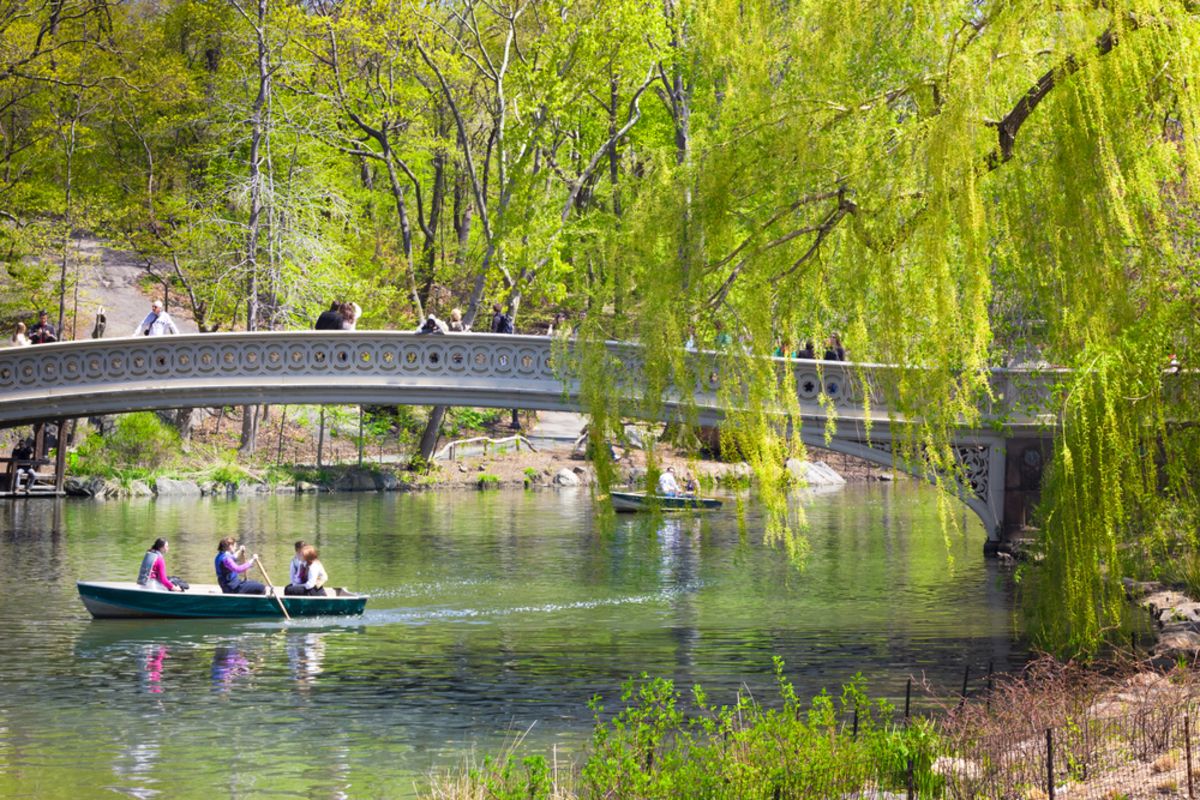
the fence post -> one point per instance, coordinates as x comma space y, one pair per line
1050, 763
1187, 747
907, 696
911, 787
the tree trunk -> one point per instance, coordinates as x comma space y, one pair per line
432, 433
258, 132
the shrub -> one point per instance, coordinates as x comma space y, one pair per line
139, 441
531, 476
489, 481
471, 419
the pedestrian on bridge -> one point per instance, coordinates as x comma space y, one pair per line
43, 332
157, 323
19, 339
330, 320
503, 323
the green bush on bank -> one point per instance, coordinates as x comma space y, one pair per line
138, 445
653, 749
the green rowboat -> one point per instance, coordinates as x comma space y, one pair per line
125, 599
636, 501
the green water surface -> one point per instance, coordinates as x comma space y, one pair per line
492, 615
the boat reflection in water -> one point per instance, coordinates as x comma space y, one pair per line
306, 658
151, 667
229, 665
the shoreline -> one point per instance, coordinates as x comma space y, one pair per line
509, 470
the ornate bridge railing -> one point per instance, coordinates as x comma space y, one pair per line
85, 378
116, 375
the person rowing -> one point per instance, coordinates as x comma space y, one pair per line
229, 571
153, 573
667, 485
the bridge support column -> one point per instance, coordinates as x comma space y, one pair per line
1024, 461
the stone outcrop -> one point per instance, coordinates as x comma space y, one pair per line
169, 487
566, 477
85, 487
1176, 616
814, 473
356, 480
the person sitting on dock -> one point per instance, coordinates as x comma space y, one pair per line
229, 572
667, 485
22, 461
314, 575
153, 573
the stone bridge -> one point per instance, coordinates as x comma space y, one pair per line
1002, 458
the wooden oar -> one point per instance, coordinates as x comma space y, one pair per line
271, 588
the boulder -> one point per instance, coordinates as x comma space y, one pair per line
356, 480
140, 489
1181, 643
304, 487
386, 482
636, 476
1160, 603
566, 477
1135, 589
169, 487
1183, 612
285, 490
740, 471
84, 487
814, 473
634, 437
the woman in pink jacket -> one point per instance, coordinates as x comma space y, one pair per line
153, 572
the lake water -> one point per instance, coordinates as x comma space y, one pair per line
491, 615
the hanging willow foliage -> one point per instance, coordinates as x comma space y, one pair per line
949, 186
952, 187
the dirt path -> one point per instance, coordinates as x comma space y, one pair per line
112, 280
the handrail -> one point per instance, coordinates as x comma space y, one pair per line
452, 447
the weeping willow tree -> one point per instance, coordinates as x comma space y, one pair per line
951, 186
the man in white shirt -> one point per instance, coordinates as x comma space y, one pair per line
157, 322
667, 485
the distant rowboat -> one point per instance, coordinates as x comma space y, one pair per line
637, 501
125, 599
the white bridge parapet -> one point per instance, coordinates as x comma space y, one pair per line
105, 376
89, 377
